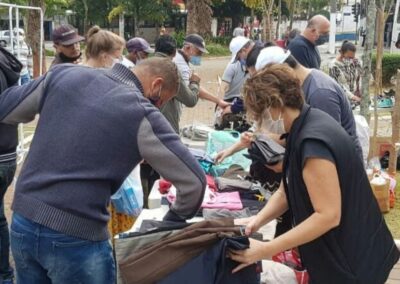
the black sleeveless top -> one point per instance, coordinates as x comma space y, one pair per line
361, 249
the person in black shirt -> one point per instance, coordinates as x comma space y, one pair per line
304, 46
338, 227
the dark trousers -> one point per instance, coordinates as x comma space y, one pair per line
148, 176
7, 171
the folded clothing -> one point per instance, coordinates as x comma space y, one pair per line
209, 213
227, 200
164, 185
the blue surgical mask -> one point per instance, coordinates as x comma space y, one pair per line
322, 39
195, 60
242, 61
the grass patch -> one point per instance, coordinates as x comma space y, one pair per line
49, 52
393, 217
216, 49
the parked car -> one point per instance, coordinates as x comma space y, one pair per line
5, 37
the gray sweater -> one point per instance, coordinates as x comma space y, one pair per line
94, 128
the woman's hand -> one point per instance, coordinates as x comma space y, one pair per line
256, 252
221, 156
246, 138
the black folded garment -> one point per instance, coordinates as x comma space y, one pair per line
266, 151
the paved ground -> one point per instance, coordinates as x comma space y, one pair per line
203, 114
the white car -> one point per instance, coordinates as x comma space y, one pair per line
5, 37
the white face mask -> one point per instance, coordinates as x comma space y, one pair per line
273, 126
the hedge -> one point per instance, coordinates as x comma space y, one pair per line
390, 64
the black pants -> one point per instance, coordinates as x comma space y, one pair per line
148, 176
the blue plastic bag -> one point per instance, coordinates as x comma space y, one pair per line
129, 197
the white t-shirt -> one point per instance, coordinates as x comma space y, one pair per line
183, 67
127, 63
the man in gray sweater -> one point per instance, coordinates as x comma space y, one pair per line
94, 128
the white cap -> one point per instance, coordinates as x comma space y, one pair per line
272, 54
237, 43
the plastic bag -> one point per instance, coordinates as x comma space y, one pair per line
221, 140
292, 259
129, 197
362, 128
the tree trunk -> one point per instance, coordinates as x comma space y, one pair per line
292, 12
33, 37
309, 10
367, 54
278, 36
378, 73
395, 129
199, 17
86, 18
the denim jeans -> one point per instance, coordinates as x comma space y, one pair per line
7, 171
45, 256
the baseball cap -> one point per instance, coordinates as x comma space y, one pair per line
139, 44
272, 54
237, 43
197, 41
66, 35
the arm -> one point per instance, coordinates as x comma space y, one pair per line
205, 95
164, 151
188, 94
321, 179
20, 104
322, 182
227, 77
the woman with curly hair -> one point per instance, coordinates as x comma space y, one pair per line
337, 225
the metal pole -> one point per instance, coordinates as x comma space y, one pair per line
17, 27
41, 42
355, 2
332, 33
11, 29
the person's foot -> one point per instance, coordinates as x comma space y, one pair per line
8, 281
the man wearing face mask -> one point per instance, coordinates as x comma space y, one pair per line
95, 126
138, 50
192, 51
67, 44
304, 46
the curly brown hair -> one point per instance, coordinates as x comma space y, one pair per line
274, 86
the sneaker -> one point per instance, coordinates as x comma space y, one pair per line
8, 281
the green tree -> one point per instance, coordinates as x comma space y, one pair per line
142, 10
267, 7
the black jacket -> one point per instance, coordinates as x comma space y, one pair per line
10, 68
361, 249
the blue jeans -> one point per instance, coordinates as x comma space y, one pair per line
46, 256
7, 171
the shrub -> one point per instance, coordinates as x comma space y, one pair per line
390, 64
217, 50
179, 37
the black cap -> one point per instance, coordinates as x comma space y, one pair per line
66, 35
197, 41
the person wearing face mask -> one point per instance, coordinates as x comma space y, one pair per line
103, 48
191, 53
67, 45
337, 224
138, 50
346, 70
304, 47
235, 72
320, 91
95, 127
